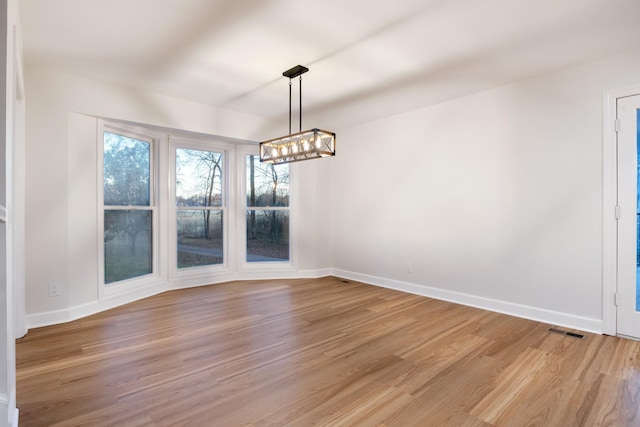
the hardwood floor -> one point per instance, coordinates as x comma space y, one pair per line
319, 352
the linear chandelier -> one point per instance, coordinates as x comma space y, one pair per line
304, 145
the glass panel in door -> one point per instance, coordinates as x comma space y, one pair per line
628, 286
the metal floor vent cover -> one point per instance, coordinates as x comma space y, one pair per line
567, 333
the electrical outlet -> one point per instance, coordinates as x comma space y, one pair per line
54, 289
408, 267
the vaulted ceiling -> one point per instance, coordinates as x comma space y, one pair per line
367, 58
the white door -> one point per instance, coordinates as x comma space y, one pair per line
628, 292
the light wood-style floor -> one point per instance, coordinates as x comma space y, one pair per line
319, 353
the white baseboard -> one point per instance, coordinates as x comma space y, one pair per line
4, 409
533, 313
571, 321
290, 274
8, 411
54, 317
16, 417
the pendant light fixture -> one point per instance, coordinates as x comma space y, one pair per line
304, 145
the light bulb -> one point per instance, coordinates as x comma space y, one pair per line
305, 145
284, 150
274, 152
318, 142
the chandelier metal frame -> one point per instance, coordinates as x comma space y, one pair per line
303, 145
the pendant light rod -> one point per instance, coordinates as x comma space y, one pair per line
292, 73
289, 106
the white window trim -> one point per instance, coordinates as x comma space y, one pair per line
271, 266
137, 284
229, 195
165, 272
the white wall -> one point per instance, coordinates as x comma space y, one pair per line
492, 199
61, 242
495, 199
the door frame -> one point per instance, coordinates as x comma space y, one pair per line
609, 203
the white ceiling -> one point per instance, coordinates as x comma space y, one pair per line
367, 58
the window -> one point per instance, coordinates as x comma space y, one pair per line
182, 209
199, 201
267, 211
128, 207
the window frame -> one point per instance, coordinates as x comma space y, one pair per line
128, 286
227, 208
266, 266
165, 273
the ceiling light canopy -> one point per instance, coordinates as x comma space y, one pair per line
304, 145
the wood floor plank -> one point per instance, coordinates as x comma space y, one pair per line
323, 352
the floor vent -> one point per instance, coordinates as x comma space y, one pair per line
344, 281
569, 334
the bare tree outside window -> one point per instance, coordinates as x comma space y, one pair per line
267, 211
199, 204
128, 212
